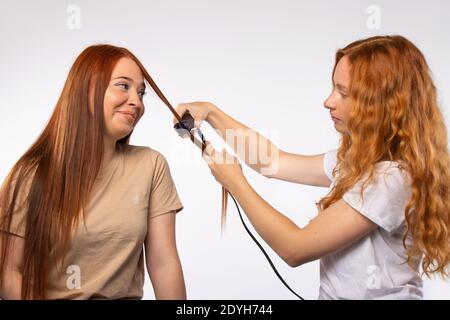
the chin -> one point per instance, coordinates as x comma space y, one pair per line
339, 129
120, 134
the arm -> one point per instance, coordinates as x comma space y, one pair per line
163, 262
302, 169
334, 228
256, 151
11, 287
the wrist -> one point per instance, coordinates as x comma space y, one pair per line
239, 186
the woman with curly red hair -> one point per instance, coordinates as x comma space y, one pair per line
386, 216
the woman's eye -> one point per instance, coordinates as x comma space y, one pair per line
344, 95
123, 85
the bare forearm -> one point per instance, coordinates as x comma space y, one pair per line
168, 281
11, 286
280, 233
255, 150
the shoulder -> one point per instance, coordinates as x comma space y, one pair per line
388, 183
144, 154
384, 198
392, 175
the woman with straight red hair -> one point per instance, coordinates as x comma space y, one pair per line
80, 206
387, 212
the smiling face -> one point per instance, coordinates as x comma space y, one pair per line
339, 100
123, 103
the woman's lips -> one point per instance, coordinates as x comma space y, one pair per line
129, 115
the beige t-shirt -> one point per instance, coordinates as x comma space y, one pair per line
106, 260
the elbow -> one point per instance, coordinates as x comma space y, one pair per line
294, 261
291, 257
157, 265
295, 255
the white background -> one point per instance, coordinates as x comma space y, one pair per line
267, 63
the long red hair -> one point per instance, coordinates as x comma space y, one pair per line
53, 179
395, 116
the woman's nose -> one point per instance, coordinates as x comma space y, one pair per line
328, 103
135, 100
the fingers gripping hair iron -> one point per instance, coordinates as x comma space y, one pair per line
187, 127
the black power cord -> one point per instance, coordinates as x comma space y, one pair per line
264, 251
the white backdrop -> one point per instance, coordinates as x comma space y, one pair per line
267, 63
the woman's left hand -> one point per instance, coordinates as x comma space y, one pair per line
225, 168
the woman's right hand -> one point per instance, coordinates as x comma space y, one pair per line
199, 111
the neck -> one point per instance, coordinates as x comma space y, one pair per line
109, 148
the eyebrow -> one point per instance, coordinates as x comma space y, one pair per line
129, 79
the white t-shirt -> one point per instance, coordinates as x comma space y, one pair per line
373, 267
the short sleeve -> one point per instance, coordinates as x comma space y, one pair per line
329, 162
384, 199
163, 193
